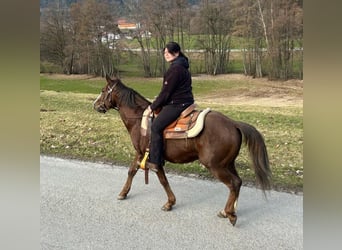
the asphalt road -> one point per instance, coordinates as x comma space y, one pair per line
79, 210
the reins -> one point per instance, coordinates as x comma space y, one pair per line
109, 92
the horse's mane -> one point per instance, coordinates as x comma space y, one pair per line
130, 97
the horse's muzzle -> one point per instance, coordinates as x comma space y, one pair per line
100, 108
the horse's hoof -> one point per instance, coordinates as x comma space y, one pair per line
121, 197
166, 208
232, 217
233, 220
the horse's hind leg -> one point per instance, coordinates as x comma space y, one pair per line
230, 177
165, 183
131, 173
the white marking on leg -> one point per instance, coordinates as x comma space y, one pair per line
235, 205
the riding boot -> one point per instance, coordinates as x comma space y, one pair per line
152, 166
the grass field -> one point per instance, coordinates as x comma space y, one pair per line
70, 128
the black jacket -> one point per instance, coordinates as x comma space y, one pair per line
176, 87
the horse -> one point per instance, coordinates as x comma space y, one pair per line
216, 147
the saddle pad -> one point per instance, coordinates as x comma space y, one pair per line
193, 132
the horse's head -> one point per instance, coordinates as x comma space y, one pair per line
106, 100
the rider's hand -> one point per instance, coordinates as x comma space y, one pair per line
148, 111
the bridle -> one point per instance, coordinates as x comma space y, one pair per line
109, 92
108, 95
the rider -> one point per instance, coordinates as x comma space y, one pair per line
174, 97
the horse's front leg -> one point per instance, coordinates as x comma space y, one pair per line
171, 199
131, 173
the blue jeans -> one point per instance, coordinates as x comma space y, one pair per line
166, 116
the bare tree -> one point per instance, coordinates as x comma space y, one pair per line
162, 20
91, 21
250, 35
181, 20
141, 34
270, 34
216, 25
53, 35
270, 31
278, 19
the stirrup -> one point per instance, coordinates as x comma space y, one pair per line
142, 164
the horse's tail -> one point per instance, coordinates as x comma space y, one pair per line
258, 153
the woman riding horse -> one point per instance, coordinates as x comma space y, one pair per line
174, 97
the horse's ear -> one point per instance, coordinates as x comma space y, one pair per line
108, 78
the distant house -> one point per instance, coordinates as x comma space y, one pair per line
110, 38
126, 28
124, 25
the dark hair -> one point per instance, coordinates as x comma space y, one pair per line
173, 48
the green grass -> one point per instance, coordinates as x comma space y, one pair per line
69, 127
75, 86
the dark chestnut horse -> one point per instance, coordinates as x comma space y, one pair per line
216, 147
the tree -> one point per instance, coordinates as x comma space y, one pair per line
73, 38
250, 35
164, 21
216, 23
141, 34
53, 36
270, 34
270, 29
279, 22
92, 20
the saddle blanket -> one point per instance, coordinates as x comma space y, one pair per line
185, 127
